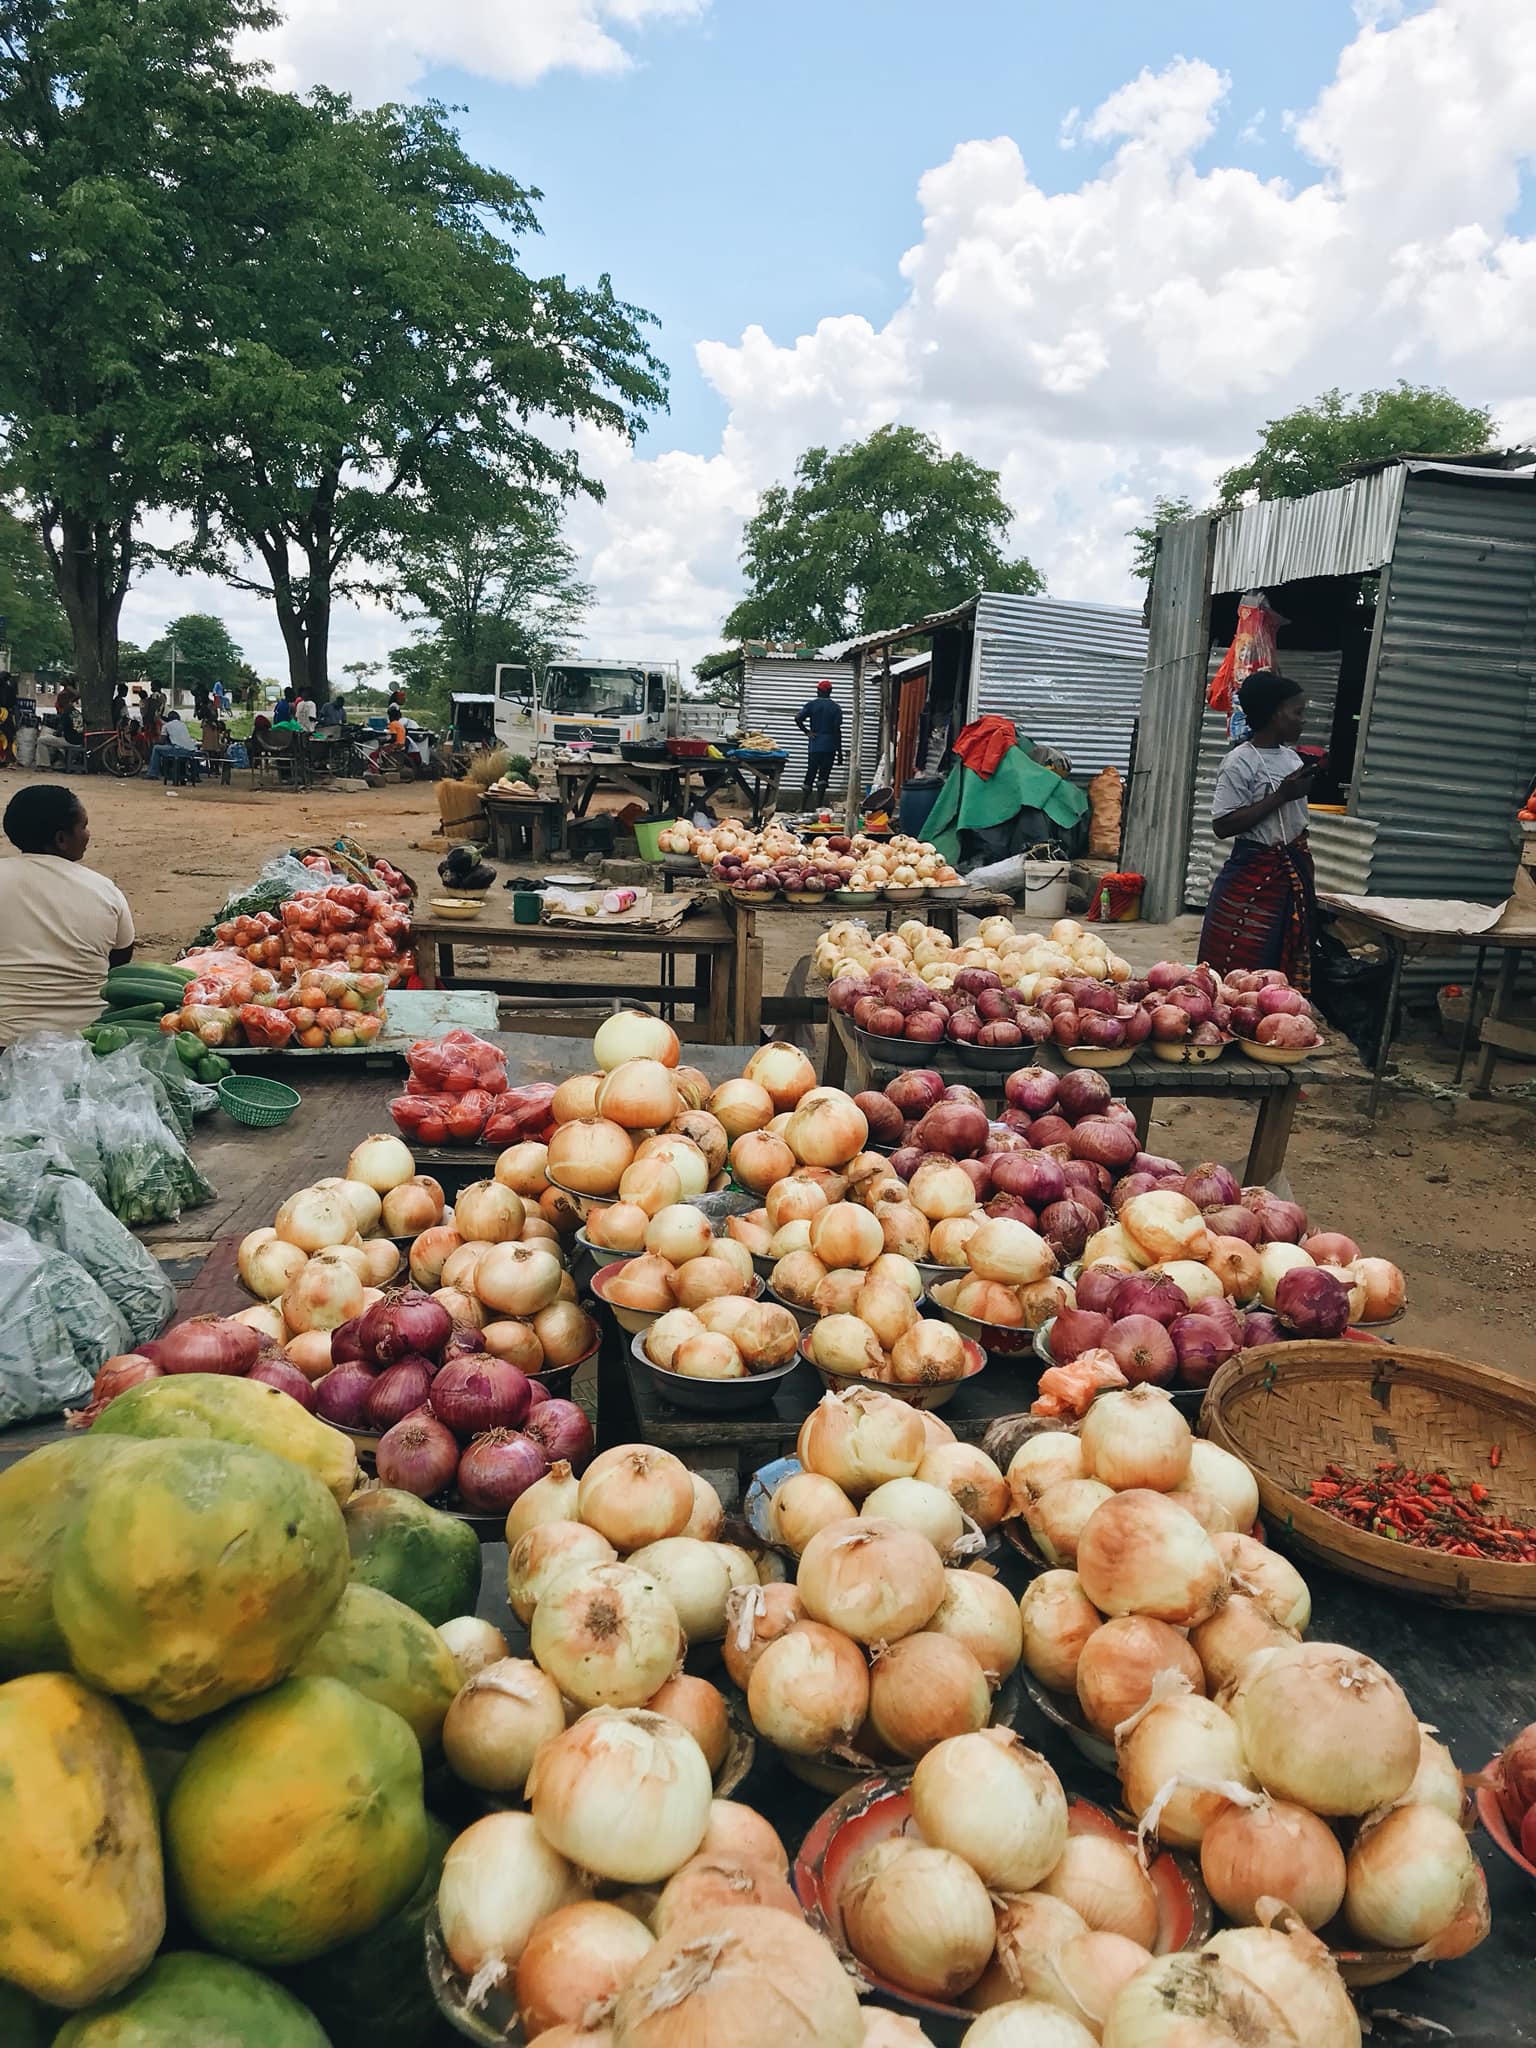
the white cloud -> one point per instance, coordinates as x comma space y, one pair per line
380, 50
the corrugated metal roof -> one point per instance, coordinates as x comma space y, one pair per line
1155, 843
774, 689
1331, 533
840, 650
1068, 675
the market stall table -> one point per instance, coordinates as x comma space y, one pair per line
541, 818
1273, 1091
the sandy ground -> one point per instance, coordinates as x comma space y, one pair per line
1442, 1187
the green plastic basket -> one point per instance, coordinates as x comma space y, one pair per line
252, 1099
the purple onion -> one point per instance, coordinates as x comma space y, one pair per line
1066, 1227
342, 1395
1038, 1180
1082, 1093
397, 1392
1280, 1222
1159, 1167
480, 1393
346, 1342
418, 1455
562, 1430
281, 1372
405, 1320
1313, 1301
1233, 1221
1203, 1346
498, 1467
1032, 1089
1261, 1328
1150, 1294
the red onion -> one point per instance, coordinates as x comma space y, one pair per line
1105, 1142
117, 1375
1096, 1030
1283, 1002
479, 1393
1208, 1033
342, 1394
1313, 1301
882, 1116
1194, 1002
845, 991
868, 1007
1066, 1027
1280, 1222
1169, 1023
1166, 974
1049, 1130
970, 981
906, 1159
1119, 1111
980, 1171
886, 1021
1245, 1019
1142, 1349
1130, 1185
1096, 1288
1014, 1206
1032, 1089
1082, 1093
1138, 1025
464, 1343
925, 1027
405, 1320
397, 1392
1003, 1032
1218, 1309
909, 996
208, 1344
1514, 1776
1260, 1328
347, 1342
1331, 1247
1210, 1186
1040, 1181
957, 1129
279, 1372
1233, 1221
1066, 1227
960, 1091
993, 1003
964, 1027
1035, 1025
496, 1468
418, 1455
915, 1091
562, 1430
1150, 1294
1075, 1331
538, 1393
1083, 1173
1203, 1346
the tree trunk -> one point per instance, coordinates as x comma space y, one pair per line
317, 632
90, 562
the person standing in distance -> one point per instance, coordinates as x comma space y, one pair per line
821, 720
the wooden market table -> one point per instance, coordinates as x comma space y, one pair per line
1272, 1091
542, 818
663, 786
724, 999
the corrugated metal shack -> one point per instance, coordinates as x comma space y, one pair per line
1410, 596
771, 687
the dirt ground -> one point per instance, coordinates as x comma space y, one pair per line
1441, 1186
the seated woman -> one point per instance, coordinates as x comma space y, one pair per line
62, 926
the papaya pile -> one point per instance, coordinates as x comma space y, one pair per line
219, 1672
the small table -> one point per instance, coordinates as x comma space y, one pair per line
541, 817
725, 1010
658, 784
1273, 1091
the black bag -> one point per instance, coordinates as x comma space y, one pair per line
1350, 987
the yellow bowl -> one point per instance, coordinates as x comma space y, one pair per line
457, 906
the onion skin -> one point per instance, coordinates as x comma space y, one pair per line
924, 1690
341, 1395
920, 1918
577, 1957
282, 1374
419, 1456
1119, 1663
774, 1983
1125, 1563
1089, 1866
1327, 1728
496, 1468
1273, 1850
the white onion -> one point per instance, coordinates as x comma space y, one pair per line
923, 1690
608, 1636
919, 1917
842, 1343
1027, 1923
577, 1961
1183, 1735
873, 1580
1140, 1553
698, 1706
1328, 1728
635, 1494
1271, 1579
267, 1317
1275, 1261
639, 1094
517, 1279
1120, 1663
756, 1616
380, 1162
995, 1803
365, 1202
266, 1263
1299, 1974
1028, 2023
943, 1191
794, 1201
1436, 1782
888, 1309
1163, 1225
809, 1690
322, 1295
1099, 1877
759, 1979
487, 1212
1136, 1438
1006, 1250
970, 1476
1194, 2001
547, 1553
883, 2029
1240, 1626
979, 1611
550, 1499
1044, 1460
1058, 1516
742, 1566
788, 1077
708, 1517
1056, 1619
804, 1503
472, 1643
706, 1886
1408, 1876
916, 1504
623, 1794
1225, 1478
499, 1880
498, 1721
828, 1128
845, 1235
1080, 1975
1264, 1849
668, 1333
694, 1578
634, 1035
739, 1834
861, 1438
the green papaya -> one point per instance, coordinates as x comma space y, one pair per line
41, 1497
202, 1580
227, 1409
428, 1559
185, 2000
390, 1654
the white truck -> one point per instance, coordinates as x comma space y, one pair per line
596, 706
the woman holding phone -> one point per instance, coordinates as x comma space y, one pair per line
1263, 903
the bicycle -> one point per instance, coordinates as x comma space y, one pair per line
124, 753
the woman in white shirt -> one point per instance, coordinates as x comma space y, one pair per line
1263, 903
62, 926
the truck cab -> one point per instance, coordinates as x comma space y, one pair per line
591, 705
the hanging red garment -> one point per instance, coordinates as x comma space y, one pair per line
984, 742
1253, 646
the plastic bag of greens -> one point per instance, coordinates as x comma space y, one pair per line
43, 1195
278, 880
48, 1088
150, 1179
39, 1369
188, 1098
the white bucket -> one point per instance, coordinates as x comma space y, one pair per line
1045, 888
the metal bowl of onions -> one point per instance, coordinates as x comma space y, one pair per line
919, 1394
711, 1397
1004, 1338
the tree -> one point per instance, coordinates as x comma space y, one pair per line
110, 117
1164, 512
36, 629
1317, 446
384, 360
873, 534
205, 653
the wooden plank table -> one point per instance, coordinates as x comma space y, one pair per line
720, 995
1273, 1091
541, 817
664, 786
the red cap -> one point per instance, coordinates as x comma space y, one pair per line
824, 688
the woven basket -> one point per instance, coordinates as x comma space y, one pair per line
252, 1099
1291, 1411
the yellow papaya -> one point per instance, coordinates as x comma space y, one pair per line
82, 1893
40, 1497
230, 1410
204, 1579
383, 1648
297, 1823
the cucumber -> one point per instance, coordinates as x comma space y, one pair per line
133, 1013
125, 990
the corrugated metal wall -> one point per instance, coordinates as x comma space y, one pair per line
1156, 839
773, 691
1331, 533
1068, 675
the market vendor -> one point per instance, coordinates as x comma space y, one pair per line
62, 925
821, 720
1263, 904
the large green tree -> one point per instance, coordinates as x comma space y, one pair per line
36, 629
384, 361
110, 115
873, 534
1317, 446
205, 653
1164, 512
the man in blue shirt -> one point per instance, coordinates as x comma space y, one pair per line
822, 723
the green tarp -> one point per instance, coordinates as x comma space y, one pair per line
972, 803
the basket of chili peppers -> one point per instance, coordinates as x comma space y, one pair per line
1407, 1468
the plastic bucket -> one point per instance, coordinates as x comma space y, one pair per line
647, 832
1045, 888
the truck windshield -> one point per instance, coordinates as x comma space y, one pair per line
595, 692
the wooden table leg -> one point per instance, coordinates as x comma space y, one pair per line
944, 917
1271, 1135
426, 964
616, 1419
1498, 1008
751, 975
724, 972
1140, 1106
1388, 1025
835, 1072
